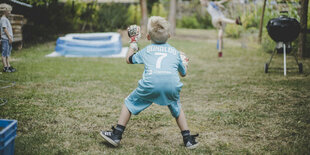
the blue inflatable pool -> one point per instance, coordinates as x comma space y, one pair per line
89, 44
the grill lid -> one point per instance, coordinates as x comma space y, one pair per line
283, 29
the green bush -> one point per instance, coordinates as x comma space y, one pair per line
85, 16
268, 44
250, 20
134, 14
159, 10
111, 17
233, 31
194, 16
188, 22
204, 20
45, 22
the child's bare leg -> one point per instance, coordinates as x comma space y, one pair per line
221, 34
7, 62
181, 121
220, 40
188, 139
228, 21
4, 62
124, 116
114, 137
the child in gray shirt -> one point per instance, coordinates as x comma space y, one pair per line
6, 37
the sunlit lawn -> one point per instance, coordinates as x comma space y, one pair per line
61, 103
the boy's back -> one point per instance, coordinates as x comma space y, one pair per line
160, 81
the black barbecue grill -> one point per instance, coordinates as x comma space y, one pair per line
283, 30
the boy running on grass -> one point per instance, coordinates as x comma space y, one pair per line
6, 37
160, 83
219, 20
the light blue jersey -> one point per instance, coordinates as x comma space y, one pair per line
160, 82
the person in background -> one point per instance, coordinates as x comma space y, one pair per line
6, 37
219, 20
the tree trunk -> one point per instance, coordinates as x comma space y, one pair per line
172, 16
144, 17
303, 32
261, 23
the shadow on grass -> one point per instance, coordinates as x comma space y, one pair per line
107, 144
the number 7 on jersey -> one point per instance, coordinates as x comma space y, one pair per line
160, 59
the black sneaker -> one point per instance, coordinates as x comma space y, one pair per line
6, 70
238, 21
189, 140
12, 69
113, 137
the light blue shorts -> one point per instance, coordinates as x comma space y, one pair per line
6, 48
136, 104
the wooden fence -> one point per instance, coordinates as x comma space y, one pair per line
17, 22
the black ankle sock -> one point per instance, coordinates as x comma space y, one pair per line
185, 133
120, 128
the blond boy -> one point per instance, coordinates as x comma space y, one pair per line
160, 83
6, 37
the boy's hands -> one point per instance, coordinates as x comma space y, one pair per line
134, 46
10, 40
185, 60
134, 34
7, 33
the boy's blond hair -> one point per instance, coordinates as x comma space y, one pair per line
158, 29
5, 7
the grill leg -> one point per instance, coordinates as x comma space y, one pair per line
284, 59
274, 52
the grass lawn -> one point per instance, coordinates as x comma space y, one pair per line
61, 104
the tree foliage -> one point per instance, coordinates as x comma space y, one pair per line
39, 2
112, 17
